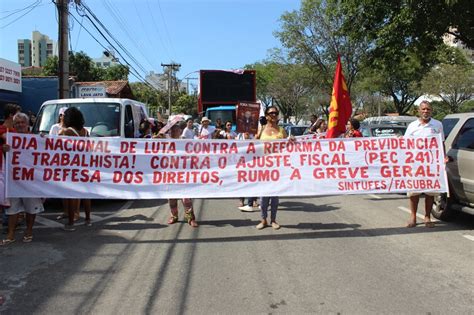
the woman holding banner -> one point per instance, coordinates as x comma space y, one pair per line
270, 131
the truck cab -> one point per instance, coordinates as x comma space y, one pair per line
104, 117
220, 91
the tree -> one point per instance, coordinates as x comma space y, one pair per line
291, 88
453, 84
81, 66
51, 67
116, 72
186, 104
313, 36
400, 24
155, 99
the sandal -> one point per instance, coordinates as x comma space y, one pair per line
411, 225
173, 219
6, 241
190, 218
27, 238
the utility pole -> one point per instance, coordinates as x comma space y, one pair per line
63, 11
170, 67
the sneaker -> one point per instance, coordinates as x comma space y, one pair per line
69, 228
275, 225
246, 208
261, 225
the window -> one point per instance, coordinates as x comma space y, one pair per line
448, 125
465, 138
129, 126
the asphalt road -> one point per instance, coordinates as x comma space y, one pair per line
335, 254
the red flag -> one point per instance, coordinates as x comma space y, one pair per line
340, 109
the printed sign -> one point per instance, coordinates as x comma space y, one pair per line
92, 91
147, 169
247, 117
10, 76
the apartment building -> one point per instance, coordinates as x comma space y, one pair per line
35, 51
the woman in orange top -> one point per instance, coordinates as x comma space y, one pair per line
270, 131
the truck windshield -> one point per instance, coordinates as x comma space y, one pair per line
224, 115
101, 119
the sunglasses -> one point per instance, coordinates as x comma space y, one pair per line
273, 113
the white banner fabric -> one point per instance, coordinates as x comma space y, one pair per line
114, 168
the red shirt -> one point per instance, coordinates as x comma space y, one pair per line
3, 131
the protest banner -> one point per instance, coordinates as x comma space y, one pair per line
72, 167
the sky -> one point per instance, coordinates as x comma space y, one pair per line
198, 34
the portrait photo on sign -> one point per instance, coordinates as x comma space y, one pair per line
247, 117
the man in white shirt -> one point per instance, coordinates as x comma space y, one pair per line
188, 132
205, 130
422, 127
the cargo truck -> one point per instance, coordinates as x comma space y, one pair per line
221, 90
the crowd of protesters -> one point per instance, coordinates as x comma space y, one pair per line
71, 123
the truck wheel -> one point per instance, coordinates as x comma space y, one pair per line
442, 207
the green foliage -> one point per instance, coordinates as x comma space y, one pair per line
313, 36
82, 67
467, 106
454, 84
394, 26
115, 73
186, 104
51, 67
146, 94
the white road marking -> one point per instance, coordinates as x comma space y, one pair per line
47, 222
374, 196
122, 208
418, 215
469, 237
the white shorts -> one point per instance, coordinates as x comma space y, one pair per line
412, 194
28, 205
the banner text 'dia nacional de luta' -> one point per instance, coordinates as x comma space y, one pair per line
73, 167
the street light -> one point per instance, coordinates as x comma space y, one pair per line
187, 79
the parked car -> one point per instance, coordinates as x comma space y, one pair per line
104, 117
399, 120
459, 146
383, 130
296, 130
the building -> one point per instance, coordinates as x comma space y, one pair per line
106, 61
160, 82
36, 51
451, 41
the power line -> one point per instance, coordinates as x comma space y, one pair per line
122, 24
157, 29
31, 9
110, 34
132, 69
36, 3
166, 28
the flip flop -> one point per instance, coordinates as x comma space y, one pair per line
6, 241
27, 238
429, 224
411, 224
